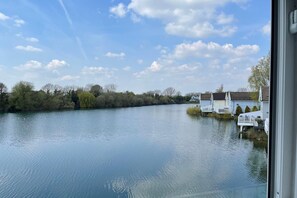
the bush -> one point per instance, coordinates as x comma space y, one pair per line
255, 108
238, 110
247, 109
194, 111
86, 99
226, 116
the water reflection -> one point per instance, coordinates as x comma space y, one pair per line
257, 165
135, 152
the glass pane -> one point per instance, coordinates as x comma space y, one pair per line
134, 98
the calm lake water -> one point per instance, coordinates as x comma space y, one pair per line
156, 151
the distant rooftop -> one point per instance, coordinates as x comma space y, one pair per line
244, 95
205, 96
219, 96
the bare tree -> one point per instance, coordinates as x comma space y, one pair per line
110, 88
170, 91
220, 89
3, 88
48, 88
242, 89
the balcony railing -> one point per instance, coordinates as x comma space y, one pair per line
224, 110
207, 109
248, 119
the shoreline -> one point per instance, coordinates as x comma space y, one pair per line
259, 137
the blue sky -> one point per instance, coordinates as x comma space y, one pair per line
139, 45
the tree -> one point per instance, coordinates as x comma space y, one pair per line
21, 96
247, 109
260, 74
220, 89
86, 100
48, 88
75, 99
110, 88
243, 89
170, 91
238, 110
3, 98
3, 88
255, 108
96, 90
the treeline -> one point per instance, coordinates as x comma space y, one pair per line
23, 98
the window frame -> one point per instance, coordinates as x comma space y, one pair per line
282, 137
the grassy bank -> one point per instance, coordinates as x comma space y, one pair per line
260, 138
194, 111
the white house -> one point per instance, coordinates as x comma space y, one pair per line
242, 99
206, 102
220, 103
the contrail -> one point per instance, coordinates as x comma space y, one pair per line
77, 39
66, 12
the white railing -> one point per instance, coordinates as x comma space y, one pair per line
207, 109
248, 119
224, 110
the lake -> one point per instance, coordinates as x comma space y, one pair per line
154, 151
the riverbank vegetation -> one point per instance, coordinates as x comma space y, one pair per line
23, 98
194, 111
259, 137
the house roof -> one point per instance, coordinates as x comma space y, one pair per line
206, 96
243, 95
265, 93
219, 96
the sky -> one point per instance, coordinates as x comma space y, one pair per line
139, 45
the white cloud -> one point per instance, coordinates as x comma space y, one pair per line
140, 61
266, 29
56, 64
94, 70
29, 65
127, 68
210, 63
19, 22
29, 39
32, 39
153, 68
115, 55
107, 72
120, 10
188, 18
224, 19
69, 78
184, 68
162, 49
135, 18
3, 17
28, 48
212, 50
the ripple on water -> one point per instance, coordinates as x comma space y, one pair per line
134, 152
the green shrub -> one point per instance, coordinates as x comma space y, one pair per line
247, 109
238, 110
255, 108
194, 111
